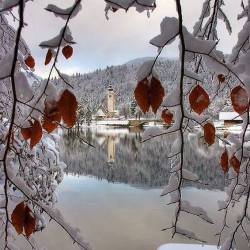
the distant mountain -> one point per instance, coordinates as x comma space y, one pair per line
91, 87
141, 60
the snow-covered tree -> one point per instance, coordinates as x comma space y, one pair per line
30, 166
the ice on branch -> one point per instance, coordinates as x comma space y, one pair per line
140, 5
146, 70
187, 234
64, 13
23, 89
8, 4
242, 43
172, 184
169, 31
198, 211
63, 38
188, 175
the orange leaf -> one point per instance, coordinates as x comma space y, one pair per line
36, 133
209, 133
156, 94
29, 222
224, 161
68, 106
52, 116
149, 94
23, 218
167, 116
26, 133
30, 62
221, 78
141, 95
67, 51
17, 217
49, 56
235, 163
198, 99
239, 98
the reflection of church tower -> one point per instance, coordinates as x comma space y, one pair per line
111, 148
111, 101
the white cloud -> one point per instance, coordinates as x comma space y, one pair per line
123, 37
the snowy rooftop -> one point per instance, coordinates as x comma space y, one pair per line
187, 246
229, 116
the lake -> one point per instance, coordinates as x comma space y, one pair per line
112, 191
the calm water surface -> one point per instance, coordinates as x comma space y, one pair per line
112, 192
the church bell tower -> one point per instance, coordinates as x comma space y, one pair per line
111, 101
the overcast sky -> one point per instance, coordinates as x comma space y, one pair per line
125, 36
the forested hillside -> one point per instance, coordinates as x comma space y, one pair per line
91, 87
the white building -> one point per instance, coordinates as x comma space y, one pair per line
107, 110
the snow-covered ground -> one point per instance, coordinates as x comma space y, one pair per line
186, 247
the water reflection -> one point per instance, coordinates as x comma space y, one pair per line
119, 156
115, 216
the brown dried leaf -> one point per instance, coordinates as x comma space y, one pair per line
17, 217
198, 99
141, 95
30, 62
209, 133
156, 94
52, 116
235, 164
26, 133
239, 98
29, 222
224, 161
221, 78
49, 56
67, 51
23, 219
36, 133
67, 106
167, 116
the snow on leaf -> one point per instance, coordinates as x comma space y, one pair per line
193, 75
224, 161
64, 13
209, 133
169, 30
167, 116
23, 89
188, 175
67, 51
198, 211
172, 184
239, 98
55, 41
67, 105
198, 99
